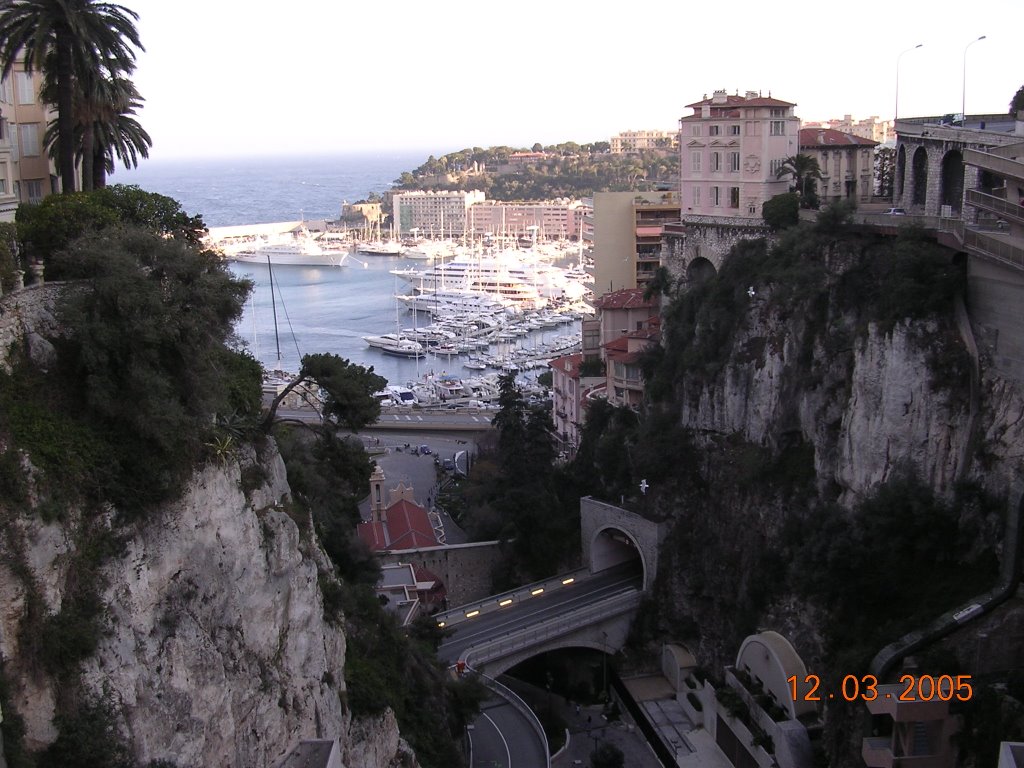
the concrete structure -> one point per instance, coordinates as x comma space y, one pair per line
463, 569
694, 251
917, 731
405, 589
753, 718
1011, 755
635, 141
611, 535
968, 181
436, 214
313, 753
731, 148
26, 173
627, 237
847, 164
871, 128
553, 219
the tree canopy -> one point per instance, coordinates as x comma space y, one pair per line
72, 44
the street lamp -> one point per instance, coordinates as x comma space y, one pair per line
963, 100
896, 111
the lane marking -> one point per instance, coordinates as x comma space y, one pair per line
508, 753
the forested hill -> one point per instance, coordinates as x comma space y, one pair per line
565, 170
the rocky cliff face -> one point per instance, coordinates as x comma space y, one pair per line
216, 650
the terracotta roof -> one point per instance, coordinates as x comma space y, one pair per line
829, 137
620, 344
742, 101
627, 298
569, 365
407, 527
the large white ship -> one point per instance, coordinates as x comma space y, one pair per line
396, 344
300, 251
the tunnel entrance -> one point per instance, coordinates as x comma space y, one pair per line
613, 548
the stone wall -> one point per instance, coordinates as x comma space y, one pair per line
465, 569
995, 295
706, 237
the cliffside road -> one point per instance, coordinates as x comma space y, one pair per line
440, 420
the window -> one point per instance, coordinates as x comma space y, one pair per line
716, 196
26, 93
778, 112
6, 91
778, 128
734, 162
734, 130
716, 161
734, 197
695, 130
34, 187
695, 161
696, 197
774, 167
29, 135
713, 130
3, 186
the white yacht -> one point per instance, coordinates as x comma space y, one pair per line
300, 250
396, 344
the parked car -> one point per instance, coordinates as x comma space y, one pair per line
448, 465
425, 450
896, 212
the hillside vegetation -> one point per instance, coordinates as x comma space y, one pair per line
567, 170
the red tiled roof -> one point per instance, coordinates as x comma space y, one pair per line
620, 344
829, 137
407, 527
742, 101
569, 365
627, 298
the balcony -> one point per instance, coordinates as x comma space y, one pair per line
888, 703
876, 751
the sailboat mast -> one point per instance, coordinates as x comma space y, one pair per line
273, 304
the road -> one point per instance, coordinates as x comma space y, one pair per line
502, 736
519, 615
440, 420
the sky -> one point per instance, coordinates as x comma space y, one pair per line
310, 77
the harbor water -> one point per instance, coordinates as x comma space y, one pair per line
318, 309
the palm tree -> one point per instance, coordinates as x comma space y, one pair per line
104, 127
801, 168
67, 40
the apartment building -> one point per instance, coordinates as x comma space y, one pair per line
26, 173
634, 141
553, 219
436, 214
731, 148
847, 163
871, 128
627, 237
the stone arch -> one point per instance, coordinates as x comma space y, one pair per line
919, 177
951, 188
623, 532
700, 270
901, 172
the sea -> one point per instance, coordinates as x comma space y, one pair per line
317, 309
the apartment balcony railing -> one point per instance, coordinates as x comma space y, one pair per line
995, 204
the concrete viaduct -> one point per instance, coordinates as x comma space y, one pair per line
592, 607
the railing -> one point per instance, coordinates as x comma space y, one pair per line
997, 204
490, 650
994, 247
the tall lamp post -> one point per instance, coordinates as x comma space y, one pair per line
896, 110
963, 100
